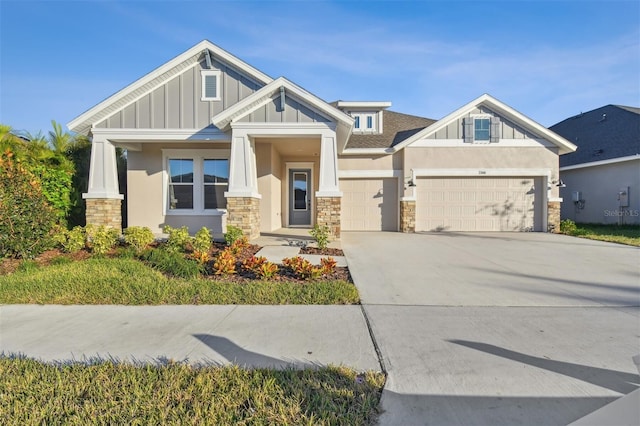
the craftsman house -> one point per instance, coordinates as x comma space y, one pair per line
213, 141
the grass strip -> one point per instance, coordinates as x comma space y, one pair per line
112, 393
130, 282
622, 234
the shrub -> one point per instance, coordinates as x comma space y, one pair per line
56, 187
71, 241
225, 263
267, 270
101, 239
302, 268
202, 241
320, 233
260, 267
138, 237
173, 263
328, 265
201, 257
179, 238
253, 263
26, 219
238, 245
233, 233
568, 227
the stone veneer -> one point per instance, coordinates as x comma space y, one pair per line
407, 216
328, 213
553, 216
104, 211
244, 213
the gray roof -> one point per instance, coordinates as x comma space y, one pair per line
396, 127
609, 132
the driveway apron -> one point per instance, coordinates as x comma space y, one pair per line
498, 328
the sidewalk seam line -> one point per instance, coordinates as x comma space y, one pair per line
373, 340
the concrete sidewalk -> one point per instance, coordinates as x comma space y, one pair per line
254, 336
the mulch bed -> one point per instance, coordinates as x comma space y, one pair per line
284, 274
8, 266
323, 252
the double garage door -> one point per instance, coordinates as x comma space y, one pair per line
479, 204
445, 204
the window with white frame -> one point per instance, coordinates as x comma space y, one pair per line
365, 122
481, 129
211, 86
196, 181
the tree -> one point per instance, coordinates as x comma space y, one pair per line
59, 140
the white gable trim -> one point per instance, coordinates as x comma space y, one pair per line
265, 94
500, 108
601, 162
430, 143
82, 123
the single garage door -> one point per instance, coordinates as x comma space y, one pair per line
479, 204
369, 204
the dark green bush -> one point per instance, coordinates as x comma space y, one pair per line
56, 187
173, 263
27, 220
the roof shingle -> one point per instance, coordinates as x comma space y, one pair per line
605, 133
396, 128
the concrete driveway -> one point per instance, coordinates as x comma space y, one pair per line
499, 328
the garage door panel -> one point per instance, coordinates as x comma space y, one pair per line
477, 204
369, 204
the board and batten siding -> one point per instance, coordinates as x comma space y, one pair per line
455, 129
294, 112
177, 103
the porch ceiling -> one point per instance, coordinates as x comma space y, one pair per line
294, 146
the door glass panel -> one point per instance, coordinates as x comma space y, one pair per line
299, 191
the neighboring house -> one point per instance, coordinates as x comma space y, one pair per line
602, 177
212, 141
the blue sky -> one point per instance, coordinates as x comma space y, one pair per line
548, 59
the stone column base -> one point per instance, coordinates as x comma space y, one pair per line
104, 211
407, 216
328, 213
553, 217
244, 213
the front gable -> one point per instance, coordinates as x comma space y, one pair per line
172, 96
497, 124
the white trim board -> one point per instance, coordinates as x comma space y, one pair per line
298, 165
360, 174
195, 154
601, 163
459, 143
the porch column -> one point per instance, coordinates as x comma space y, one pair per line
243, 199
328, 196
103, 198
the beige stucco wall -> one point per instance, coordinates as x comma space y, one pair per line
370, 162
599, 186
483, 157
145, 203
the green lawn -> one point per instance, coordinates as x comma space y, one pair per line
34, 393
622, 234
131, 282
